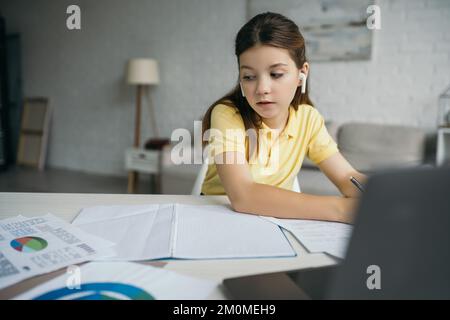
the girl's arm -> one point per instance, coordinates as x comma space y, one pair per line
339, 171
250, 197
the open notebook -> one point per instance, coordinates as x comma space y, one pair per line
158, 231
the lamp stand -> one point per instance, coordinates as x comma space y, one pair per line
137, 120
152, 115
133, 175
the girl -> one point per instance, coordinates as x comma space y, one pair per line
270, 103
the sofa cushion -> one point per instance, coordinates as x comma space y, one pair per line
313, 181
369, 147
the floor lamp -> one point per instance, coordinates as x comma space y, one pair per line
140, 72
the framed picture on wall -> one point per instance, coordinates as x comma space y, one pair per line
333, 30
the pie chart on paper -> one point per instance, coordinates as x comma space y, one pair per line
28, 244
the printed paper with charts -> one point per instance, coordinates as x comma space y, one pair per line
37, 245
121, 281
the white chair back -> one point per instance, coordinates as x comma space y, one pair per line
197, 188
296, 185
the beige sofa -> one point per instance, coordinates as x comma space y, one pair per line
368, 147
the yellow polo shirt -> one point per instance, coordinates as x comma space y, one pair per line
280, 157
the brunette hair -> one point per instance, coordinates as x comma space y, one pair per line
270, 29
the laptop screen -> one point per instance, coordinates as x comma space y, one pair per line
400, 246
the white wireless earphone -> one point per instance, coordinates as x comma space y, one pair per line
303, 77
242, 90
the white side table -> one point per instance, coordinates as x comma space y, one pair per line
142, 161
443, 146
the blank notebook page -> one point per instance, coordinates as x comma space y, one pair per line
218, 232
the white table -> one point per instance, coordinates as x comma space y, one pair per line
67, 206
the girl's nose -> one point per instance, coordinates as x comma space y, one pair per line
263, 86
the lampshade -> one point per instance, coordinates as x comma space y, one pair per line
142, 71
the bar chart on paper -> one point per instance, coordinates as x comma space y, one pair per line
29, 244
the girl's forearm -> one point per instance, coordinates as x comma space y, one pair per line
280, 203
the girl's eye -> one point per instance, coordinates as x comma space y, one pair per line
273, 75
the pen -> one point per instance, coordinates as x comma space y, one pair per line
357, 184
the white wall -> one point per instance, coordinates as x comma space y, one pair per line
410, 67
83, 71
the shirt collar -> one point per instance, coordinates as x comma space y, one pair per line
289, 130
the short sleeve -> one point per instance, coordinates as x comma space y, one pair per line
321, 145
227, 132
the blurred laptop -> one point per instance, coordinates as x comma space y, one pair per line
399, 249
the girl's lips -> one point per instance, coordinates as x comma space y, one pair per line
265, 104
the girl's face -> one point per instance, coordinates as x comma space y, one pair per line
269, 79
